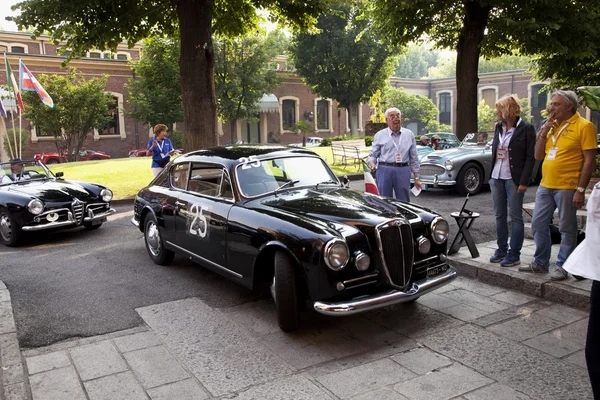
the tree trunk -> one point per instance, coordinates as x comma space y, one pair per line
353, 118
197, 73
233, 131
468, 50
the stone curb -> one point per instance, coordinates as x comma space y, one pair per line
15, 383
523, 282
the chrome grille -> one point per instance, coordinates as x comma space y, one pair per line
77, 211
397, 251
431, 170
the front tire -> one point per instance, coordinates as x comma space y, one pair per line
52, 161
154, 243
285, 292
470, 180
10, 233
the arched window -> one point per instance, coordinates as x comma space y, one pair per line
288, 114
112, 126
539, 100
18, 49
445, 106
323, 114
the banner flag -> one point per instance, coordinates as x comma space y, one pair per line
370, 185
28, 82
12, 84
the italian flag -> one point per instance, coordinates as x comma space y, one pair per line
12, 84
370, 185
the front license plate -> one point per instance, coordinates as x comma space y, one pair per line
98, 221
433, 271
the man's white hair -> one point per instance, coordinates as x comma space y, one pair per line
392, 109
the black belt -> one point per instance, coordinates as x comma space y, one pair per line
394, 164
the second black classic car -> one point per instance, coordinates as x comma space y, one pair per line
33, 199
271, 216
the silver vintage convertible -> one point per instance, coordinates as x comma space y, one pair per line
465, 168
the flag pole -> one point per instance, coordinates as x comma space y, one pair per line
12, 155
20, 119
20, 139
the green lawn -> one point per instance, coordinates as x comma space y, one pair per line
126, 176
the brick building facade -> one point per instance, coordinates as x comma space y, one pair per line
290, 102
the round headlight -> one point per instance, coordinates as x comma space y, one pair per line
35, 206
449, 164
362, 261
439, 230
424, 245
336, 254
106, 195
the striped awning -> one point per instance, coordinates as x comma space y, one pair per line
269, 103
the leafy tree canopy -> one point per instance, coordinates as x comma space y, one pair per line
83, 25
446, 68
491, 28
345, 60
80, 105
413, 107
155, 94
242, 75
415, 62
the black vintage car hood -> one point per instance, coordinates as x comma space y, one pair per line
342, 205
52, 191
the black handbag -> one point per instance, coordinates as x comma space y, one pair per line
162, 162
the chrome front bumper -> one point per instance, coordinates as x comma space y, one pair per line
70, 221
387, 298
434, 182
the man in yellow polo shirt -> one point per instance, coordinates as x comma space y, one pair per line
567, 143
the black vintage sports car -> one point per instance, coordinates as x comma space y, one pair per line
273, 216
32, 198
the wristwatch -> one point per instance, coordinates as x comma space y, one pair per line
581, 189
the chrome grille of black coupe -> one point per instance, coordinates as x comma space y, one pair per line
396, 247
78, 211
430, 170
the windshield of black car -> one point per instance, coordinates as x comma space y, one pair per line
22, 171
257, 177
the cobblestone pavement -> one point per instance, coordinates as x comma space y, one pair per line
468, 340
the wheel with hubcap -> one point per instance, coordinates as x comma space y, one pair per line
285, 292
470, 179
10, 233
154, 243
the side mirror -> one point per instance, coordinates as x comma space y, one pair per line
59, 174
345, 181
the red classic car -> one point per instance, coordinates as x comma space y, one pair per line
142, 152
84, 155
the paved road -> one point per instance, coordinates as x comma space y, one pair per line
79, 283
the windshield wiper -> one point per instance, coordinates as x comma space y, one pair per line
330, 181
287, 184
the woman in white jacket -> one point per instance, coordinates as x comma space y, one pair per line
585, 261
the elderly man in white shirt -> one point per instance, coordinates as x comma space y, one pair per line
395, 151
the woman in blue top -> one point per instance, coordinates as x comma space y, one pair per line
160, 148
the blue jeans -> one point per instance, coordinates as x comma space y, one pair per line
546, 201
508, 203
